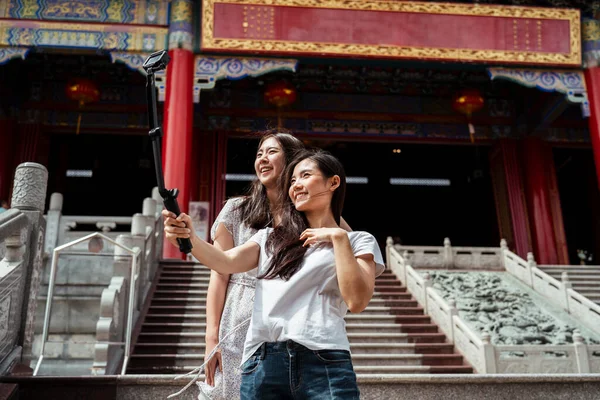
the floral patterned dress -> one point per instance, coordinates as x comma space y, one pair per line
238, 306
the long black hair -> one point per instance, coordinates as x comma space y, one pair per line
283, 243
255, 206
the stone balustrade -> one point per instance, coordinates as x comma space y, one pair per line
558, 292
21, 238
477, 348
94, 281
452, 257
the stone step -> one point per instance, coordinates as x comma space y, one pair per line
585, 278
202, 283
192, 327
373, 360
173, 315
178, 292
353, 337
201, 289
140, 367
361, 348
401, 337
579, 268
390, 289
392, 310
392, 295
390, 319
401, 348
593, 290
394, 303
199, 296
359, 360
199, 304
194, 266
450, 369
170, 348
382, 370
171, 337
395, 337
387, 281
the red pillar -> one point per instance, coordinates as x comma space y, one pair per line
538, 200
509, 193
592, 81
177, 141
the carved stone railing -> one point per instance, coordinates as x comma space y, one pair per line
558, 292
87, 323
146, 237
447, 256
478, 350
66, 228
22, 234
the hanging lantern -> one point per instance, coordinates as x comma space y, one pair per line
467, 102
280, 94
83, 91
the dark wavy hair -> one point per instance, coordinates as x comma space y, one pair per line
283, 243
255, 205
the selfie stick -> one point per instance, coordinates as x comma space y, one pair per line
158, 62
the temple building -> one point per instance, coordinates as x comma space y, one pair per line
474, 122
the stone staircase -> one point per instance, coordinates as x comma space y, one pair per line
584, 279
392, 336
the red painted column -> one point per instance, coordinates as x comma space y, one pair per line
177, 123
509, 193
592, 81
538, 201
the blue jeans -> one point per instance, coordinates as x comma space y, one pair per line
288, 370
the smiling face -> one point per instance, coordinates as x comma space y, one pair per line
309, 189
269, 163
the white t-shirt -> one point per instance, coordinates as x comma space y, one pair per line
308, 308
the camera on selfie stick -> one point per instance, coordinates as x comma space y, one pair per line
158, 62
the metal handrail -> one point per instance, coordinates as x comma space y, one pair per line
132, 295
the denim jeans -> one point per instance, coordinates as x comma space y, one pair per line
288, 370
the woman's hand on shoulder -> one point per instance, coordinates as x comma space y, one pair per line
178, 227
321, 235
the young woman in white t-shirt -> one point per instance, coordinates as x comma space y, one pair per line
311, 272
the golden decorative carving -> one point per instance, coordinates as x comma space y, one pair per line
521, 57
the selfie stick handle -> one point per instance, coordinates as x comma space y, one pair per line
169, 195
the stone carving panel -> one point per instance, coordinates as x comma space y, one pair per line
36, 277
10, 298
489, 302
29, 191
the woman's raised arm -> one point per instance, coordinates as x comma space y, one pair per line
239, 259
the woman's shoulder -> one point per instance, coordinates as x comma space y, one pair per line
235, 201
356, 236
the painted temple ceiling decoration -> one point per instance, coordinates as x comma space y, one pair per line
181, 24
124, 25
570, 83
144, 12
82, 36
384, 29
210, 69
8, 53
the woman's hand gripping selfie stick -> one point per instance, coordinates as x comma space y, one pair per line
157, 62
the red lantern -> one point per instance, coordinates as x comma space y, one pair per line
280, 94
83, 91
467, 102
